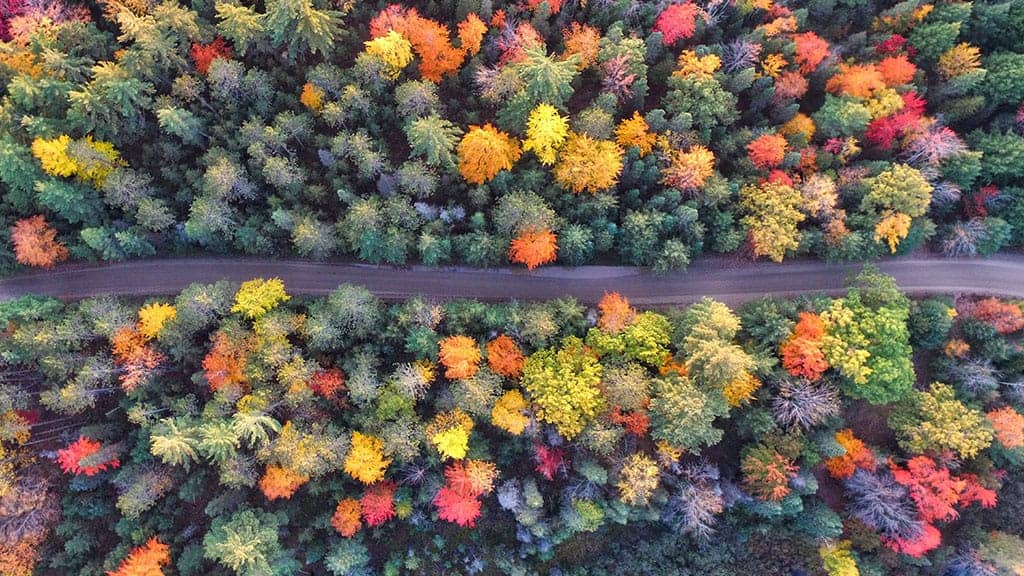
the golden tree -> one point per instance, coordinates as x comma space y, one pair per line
588, 165
484, 151
546, 131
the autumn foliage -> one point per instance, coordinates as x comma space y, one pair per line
460, 355
86, 456
278, 482
345, 519
811, 50
145, 560
329, 384
504, 357
484, 151
767, 151
766, 473
590, 165
857, 455
534, 248
35, 243
429, 38
857, 80
689, 169
801, 352
204, 54
616, 313
1008, 425
1005, 317
224, 365
677, 22
136, 358
378, 503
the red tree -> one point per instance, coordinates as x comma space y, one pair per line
378, 503
204, 54
459, 507
1005, 317
767, 151
811, 49
35, 243
677, 22
86, 456
329, 384
549, 460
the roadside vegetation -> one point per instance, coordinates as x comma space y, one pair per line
488, 132
235, 429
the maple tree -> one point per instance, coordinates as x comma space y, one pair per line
365, 460
449, 432
460, 356
766, 473
145, 560
312, 97
801, 352
86, 456
36, 244
329, 383
857, 456
616, 313
278, 482
564, 384
896, 70
378, 503
429, 39
504, 356
471, 33
550, 461
582, 41
677, 22
1005, 317
134, 356
586, 164
474, 477
204, 54
638, 479
345, 519
546, 131
811, 50
393, 50
458, 507
484, 151
767, 150
690, 169
534, 248
857, 80
1008, 425
224, 365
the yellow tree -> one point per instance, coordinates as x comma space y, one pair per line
588, 165
152, 318
689, 170
393, 50
897, 195
365, 460
773, 213
546, 131
257, 297
634, 131
484, 151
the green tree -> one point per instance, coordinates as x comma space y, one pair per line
247, 543
682, 414
934, 420
301, 26
546, 78
434, 138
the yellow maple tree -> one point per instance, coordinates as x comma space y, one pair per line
152, 318
365, 460
484, 151
546, 131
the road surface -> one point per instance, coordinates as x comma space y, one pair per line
722, 279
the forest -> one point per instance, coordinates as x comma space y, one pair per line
238, 430
487, 132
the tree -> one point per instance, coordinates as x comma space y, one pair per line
471, 33
682, 414
365, 460
772, 218
278, 482
638, 479
246, 542
616, 313
204, 54
546, 131
393, 50
449, 433
35, 243
460, 356
935, 420
509, 413
534, 248
301, 26
457, 507
1008, 426
346, 517
804, 404
899, 192
224, 365
257, 297
87, 456
1005, 317
877, 500
766, 473
767, 151
801, 352
504, 357
837, 560
434, 138
588, 165
857, 456
378, 503
240, 24
811, 50
144, 560
936, 492
153, 317
545, 78
689, 170
484, 151
677, 22
634, 131
857, 80
564, 383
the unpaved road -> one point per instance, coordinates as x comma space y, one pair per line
722, 279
